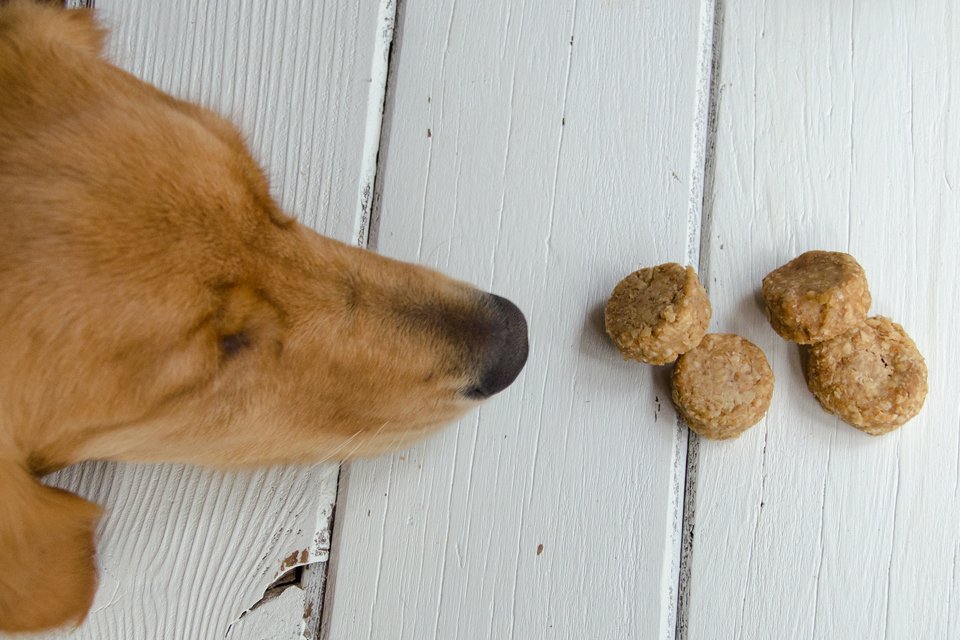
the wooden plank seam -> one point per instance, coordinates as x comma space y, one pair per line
314, 576
700, 220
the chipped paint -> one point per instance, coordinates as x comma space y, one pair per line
380, 66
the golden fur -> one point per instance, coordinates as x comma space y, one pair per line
156, 305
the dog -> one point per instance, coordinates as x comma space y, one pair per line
156, 305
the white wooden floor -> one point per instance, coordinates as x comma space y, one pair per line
543, 150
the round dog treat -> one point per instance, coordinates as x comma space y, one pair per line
722, 387
872, 377
657, 313
816, 296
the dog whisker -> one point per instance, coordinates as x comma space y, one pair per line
365, 440
340, 447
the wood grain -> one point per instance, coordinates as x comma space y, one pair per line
542, 151
184, 552
837, 129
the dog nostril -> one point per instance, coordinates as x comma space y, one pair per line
505, 352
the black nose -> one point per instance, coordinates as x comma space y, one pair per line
505, 351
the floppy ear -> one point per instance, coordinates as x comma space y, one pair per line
47, 571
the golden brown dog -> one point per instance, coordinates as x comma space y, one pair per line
156, 305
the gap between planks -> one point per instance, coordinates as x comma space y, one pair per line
699, 238
366, 223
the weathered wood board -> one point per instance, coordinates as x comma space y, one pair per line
837, 129
541, 151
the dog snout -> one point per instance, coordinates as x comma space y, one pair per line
505, 351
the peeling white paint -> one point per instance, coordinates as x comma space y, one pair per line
280, 618
379, 67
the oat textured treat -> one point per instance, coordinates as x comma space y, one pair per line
723, 387
816, 296
872, 377
657, 313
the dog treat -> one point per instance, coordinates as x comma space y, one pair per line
816, 296
872, 377
657, 313
722, 387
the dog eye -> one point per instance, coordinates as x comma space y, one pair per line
234, 343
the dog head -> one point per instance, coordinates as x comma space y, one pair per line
157, 305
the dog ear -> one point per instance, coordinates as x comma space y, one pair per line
49, 20
48, 576
80, 29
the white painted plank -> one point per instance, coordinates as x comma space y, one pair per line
837, 129
184, 552
540, 150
